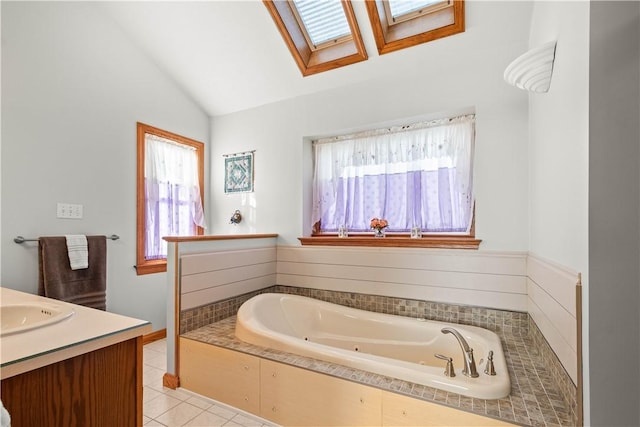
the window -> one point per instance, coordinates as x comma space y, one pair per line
321, 35
398, 24
170, 193
413, 176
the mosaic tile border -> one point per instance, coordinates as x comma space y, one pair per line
563, 382
509, 322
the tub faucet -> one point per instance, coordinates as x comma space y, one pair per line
467, 353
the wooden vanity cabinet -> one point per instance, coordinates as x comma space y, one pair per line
101, 388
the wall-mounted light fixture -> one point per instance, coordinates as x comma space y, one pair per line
532, 70
236, 218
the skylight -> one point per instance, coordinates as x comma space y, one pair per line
324, 21
399, 10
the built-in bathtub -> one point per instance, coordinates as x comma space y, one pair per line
394, 346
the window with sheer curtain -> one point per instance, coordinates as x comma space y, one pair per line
169, 194
419, 176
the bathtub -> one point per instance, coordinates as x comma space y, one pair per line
394, 346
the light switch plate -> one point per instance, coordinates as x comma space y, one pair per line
69, 211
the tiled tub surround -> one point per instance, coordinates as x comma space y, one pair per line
542, 394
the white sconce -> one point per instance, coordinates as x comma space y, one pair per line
532, 70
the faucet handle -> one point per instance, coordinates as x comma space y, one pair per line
489, 368
448, 371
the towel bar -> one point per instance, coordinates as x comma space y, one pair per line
20, 239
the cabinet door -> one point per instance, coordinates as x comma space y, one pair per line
295, 396
225, 375
400, 410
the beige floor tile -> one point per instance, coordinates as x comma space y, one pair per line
149, 393
159, 405
246, 421
207, 419
179, 415
222, 411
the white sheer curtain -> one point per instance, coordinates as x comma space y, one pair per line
172, 187
419, 175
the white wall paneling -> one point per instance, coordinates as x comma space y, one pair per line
496, 280
219, 275
552, 305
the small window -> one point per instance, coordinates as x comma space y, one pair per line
403, 10
170, 193
400, 24
416, 176
321, 35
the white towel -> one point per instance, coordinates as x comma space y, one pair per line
78, 251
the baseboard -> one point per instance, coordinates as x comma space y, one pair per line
154, 336
170, 381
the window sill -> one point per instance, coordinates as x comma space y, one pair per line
450, 242
150, 267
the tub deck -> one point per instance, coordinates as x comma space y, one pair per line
533, 400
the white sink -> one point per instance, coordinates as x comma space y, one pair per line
23, 317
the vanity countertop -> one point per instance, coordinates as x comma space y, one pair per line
86, 330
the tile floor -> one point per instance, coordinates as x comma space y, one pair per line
165, 407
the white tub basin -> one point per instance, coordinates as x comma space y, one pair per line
17, 318
395, 346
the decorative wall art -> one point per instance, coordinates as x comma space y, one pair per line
238, 172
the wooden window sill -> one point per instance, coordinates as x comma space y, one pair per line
400, 241
150, 267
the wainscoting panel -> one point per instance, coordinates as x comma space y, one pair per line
551, 304
214, 276
494, 280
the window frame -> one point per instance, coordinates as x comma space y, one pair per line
411, 32
329, 57
144, 266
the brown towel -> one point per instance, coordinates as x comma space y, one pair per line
57, 280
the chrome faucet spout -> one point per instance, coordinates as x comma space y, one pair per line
467, 353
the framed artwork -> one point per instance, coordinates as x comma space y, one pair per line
238, 173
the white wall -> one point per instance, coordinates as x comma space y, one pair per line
73, 88
558, 150
559, 177
450, 75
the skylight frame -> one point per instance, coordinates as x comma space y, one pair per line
319, 60
437, 24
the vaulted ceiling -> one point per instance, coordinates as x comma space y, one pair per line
229, 56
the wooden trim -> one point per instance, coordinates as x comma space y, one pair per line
579, 385
309, 61
144, 266
139, 380
170, 381
154, 336
452, 242
439, 24
207, 238
176, 318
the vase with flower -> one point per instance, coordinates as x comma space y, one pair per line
378, 225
